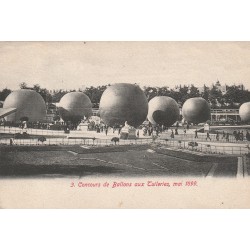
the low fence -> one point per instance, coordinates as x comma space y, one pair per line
73, 141
32, 131
181, 136
203, 137
175, 144
207, 148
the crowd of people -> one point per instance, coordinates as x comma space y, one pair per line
147, 129
101, 127
239, 136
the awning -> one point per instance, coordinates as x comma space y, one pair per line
6, 111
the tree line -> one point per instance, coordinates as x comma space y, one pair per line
232, 98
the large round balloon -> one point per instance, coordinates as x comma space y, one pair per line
29, 104
123, 102
163, 110
196, 110
244, 112
74, 106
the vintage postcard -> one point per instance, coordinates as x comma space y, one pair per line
124, 124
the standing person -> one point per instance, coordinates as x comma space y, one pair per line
242, 135
208, 136
138, 133
196, 133
176, 131
223, 134
106, 130
172, 134
157, 132
148, 131
235, 135
162, 128
227, 137
238, 136
217, 136
247, 136
185, 132
151, 131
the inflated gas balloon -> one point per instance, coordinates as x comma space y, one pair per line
29, 104
123, 102
74, 106
163, 110
196, 110
244, 112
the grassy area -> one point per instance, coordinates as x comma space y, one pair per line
63, 161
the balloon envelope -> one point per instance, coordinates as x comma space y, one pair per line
196, 110
244, 112
29, 104
123, 102
74, 106
163, 110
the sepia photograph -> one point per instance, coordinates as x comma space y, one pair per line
123, 124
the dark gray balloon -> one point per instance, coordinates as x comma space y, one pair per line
163, 110
74, 106
196, 110
123, 102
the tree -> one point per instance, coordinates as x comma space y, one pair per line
163, 91
193, 92
175, 95
4, 93
43, 92
183, 94
235, 96
215, 97
150, 92
205, 93
57, 95
95, 94
23, 85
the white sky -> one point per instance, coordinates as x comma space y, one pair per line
69, 65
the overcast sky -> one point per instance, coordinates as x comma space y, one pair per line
68, 65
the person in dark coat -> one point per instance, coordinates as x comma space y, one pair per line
196, 133
217, 136
223, 134
172, 134
208, 136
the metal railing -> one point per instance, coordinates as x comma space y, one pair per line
207, 148
174, 144
165, 135
203, 137
31, 131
